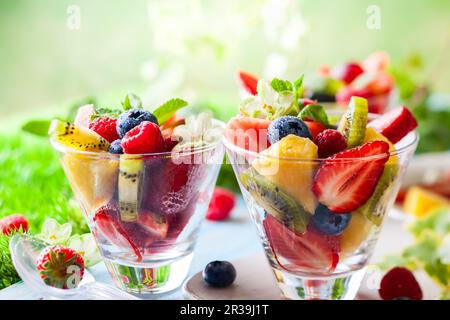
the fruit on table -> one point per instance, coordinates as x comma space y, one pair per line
84, 114
395, 124
60, 267
330, 142
116, 147
248, 133
419, 202
106, 127
294, 177
76, 137
347, 72
275, 201
131, 118
329, 222
286, 125
12, 223
356, 232
222, 202
353, 122
400, 282
219, 274
311, 250
345, 185
249, 82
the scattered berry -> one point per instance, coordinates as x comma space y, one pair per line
106, 127
116, 147
329, 222
399, 283
222, 202
13, 223
330, 142
60, 267
219, 274
286, 125
347, 72
145, 138
132, 118
315, 128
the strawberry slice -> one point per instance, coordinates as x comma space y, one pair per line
248, 133
113, 232
310, 251
155, 225
315, 128
345, 185
249, 82
395, 124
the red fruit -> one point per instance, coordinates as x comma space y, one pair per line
13, 223
144, 138
170, 142
345, 185
376, 62
153, 224
60, 267
330, 142
106, 224
395, 124
310, 251
248, 133
315, 128
305, 102
222, 202
347, 72
400, 282
106, 127
248, 81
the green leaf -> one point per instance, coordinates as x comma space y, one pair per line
315, 112
168, 109
281, 86
37, 127
298, 84
131, 101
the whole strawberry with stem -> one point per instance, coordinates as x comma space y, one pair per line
12, 223
60, 267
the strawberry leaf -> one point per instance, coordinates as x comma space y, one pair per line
168, 109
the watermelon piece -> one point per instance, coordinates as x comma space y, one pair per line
248, 133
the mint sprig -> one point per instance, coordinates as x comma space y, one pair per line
281, 86
315, 112
131, 101
168, 109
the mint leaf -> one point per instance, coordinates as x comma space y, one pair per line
315, 112
281, 85
131, 101
106, 112
37, 127
298, 84
168, 109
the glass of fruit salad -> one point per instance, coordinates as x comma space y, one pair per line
143, 180
317, 184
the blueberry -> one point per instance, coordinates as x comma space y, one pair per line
329, 222
219, 274
131, 118
323, 97
283, 126
115, 147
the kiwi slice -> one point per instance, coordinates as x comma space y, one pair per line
131, 173
269, 196
354, 121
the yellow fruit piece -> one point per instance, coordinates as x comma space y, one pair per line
419, 202
357, 231
294, 177
93, 180
374, 135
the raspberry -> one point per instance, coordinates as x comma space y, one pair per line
13, 223
222, 202
330, 142
106, 127
400, 282
144, 138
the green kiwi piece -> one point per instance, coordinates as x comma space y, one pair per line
131, 172
277, 203
354, 122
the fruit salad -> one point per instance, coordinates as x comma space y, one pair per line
318, 183
143, 180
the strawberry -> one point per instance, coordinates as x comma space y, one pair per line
315, 128
13, 223
347, 72
399, 282
306, 102
330, 142
310, 251
248, 133
106, 127
222, 202
153, 224
106, 224
60, 267
395, 124
345, 185
144, 138
249, 82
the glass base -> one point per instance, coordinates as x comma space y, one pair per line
148, 279
324, 288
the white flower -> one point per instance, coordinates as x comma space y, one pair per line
86, 246
54, 233
198, 130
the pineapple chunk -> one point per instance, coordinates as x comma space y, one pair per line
419, 202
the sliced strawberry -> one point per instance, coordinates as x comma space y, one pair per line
310, 251
155, 225
248, 81
395, 124
399, 282
347, 180
347, 72
248, 133
315, 128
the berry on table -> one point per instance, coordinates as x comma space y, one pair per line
330, 142
219, 274
286, 125
145, 138
105, 127
132, 118
222, 202
399, 283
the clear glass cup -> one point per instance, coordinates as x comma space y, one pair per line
144, 211
311, 264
